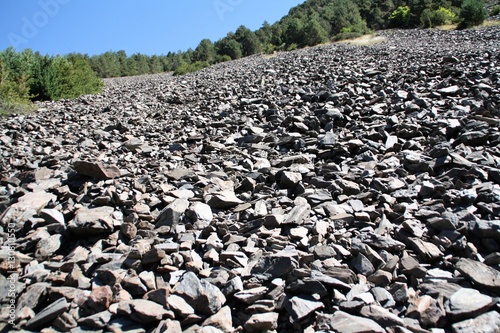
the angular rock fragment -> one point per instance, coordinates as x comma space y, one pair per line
96, 170
92, 221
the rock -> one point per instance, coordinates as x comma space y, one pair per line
222, 200
99, 300
97, 321
467, 303
204, 297
260, 192
450, 91
48, 315
381, 316
301, 306
47, 247
274, 266
65, 322
427, 311
92, 221
428, 251
143, 311
262, 322
27, 206
343, 322
172, 214
96, 170
200, 211
221, 320
361, 264
479, 273
179, 305
290, 179
487, 323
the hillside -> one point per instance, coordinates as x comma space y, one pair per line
334, 188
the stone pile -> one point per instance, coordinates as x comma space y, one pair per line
338, 188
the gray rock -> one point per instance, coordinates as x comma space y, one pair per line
343, 322
203, 296
172, 214
479, 273
301, 306
261, 322
48, 315
381, 316
485, 323
92, 221
222, 200
467, 303
143, 311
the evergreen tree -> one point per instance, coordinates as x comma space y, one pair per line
230, 47
314, 33
248, 39
472, 13
205, 51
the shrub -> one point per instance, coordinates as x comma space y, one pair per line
432, 18
495, 11
189, 68
472, 13
400, 17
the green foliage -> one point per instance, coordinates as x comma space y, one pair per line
472, 13
345, 14
230, 47
28, 76
293, 31
189, 68
401, 17
205, 51
433, 18
495, 11
248, 40
314, 33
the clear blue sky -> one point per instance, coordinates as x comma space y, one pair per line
145, 26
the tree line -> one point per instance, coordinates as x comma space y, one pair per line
28, 76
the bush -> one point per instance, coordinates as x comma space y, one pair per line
495, 11
400, 17
472, 13
432, 18
186, 68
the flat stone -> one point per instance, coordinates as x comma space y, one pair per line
96, 170
479, 273
143, 311
381, 316
467, 303
485, 323
222, 200
301, 306
92, 221
27, 206
48, 315
343, 322
262, 322
428, 251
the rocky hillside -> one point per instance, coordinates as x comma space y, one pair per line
338, 188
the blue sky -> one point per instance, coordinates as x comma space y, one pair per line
145, 26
